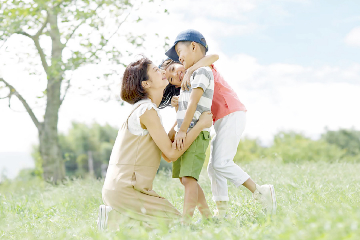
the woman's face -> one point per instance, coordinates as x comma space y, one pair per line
175, 73
157, 77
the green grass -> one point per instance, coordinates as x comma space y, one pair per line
315, 201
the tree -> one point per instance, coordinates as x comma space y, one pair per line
86, 148
348, 139
295, 147
78, 36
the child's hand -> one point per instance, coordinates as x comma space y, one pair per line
185, 84
171, 134
175, 101
180, 140
206, 119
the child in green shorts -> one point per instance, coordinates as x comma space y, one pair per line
190, 48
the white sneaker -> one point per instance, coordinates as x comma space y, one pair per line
265, 194
103, 217
221, 210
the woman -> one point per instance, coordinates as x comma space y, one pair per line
135, 157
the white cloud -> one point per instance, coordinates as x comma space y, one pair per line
307, 108
229, 9
283, 96
353, 37
247, 73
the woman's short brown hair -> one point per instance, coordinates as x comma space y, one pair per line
135, 73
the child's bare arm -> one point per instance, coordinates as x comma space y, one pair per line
204, 62
190, 111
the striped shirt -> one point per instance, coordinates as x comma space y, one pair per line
201, 78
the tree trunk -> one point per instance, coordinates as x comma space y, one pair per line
53, 164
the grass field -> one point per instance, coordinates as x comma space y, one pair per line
315, 201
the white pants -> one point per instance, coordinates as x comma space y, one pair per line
223, 149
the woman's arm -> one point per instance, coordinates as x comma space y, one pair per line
204, 62
152, 123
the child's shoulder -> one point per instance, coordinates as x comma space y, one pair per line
203, 71
200, 69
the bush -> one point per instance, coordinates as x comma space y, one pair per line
347, 139
38, 171
27, 174
294, 147
249, 150
81, 143
165, 166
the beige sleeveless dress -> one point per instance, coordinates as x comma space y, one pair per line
129, 180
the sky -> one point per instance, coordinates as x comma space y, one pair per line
295, 65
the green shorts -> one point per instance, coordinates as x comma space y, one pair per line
192, 161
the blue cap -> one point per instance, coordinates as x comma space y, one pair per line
187, 35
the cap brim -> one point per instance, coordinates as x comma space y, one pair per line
171, 53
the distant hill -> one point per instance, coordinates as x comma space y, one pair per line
12, 162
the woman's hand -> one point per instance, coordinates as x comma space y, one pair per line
175, 101
206, 119
171, 134
185, 83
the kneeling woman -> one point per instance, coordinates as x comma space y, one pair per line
136, 154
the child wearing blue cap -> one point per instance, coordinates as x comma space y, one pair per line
229, 122
191, 104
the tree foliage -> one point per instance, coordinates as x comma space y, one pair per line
294, 147
347, 139
65, 35
82, 139
287, 147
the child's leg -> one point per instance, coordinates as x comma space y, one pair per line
202, 204
191, 196
250, 184
221, 165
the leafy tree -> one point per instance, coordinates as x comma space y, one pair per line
65, 35
348, 139
290, 147
249, 150
294, 147
86, 148
90, 147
